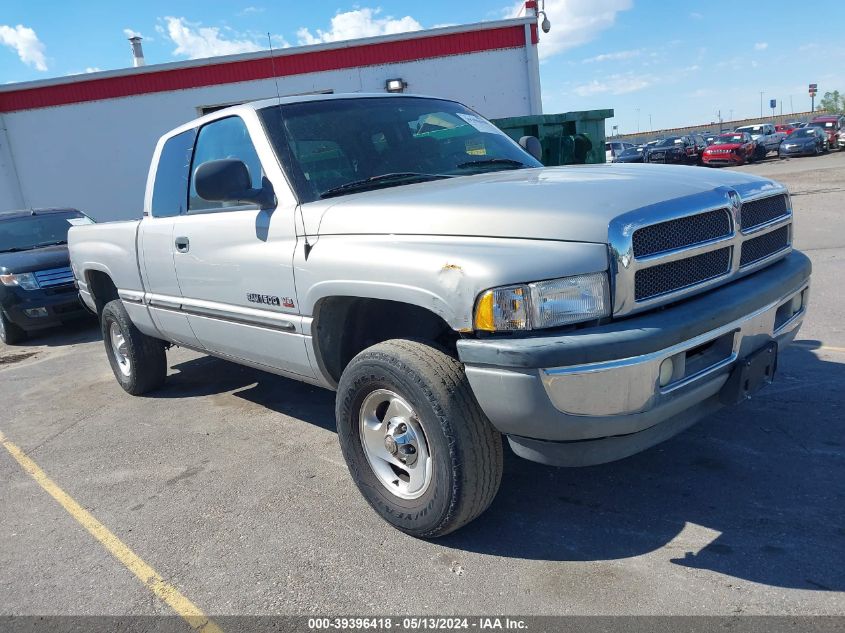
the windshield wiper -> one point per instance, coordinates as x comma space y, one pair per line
495, 162
383, 180
18, 249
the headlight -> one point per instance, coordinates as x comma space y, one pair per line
27, 281
544, 304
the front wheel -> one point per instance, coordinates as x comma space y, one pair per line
139, 362
10, 333
416, 442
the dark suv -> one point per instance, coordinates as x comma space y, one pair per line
37, 289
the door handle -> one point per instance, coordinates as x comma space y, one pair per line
183, 244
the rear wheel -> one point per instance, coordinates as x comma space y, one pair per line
139, 362
10, 333
417, 444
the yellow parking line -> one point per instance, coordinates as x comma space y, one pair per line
822, 348
166, 592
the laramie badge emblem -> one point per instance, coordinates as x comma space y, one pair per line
270, 300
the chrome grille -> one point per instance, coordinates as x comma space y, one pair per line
681, 247
759, 212
761, 247
682, 273
54, 277
680, 233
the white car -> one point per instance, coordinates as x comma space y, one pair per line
612, 149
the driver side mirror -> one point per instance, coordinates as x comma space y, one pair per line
531, 144
227, 180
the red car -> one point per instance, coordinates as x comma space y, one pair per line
785, 128
831, 124
733, 148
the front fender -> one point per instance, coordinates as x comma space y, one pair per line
441, 274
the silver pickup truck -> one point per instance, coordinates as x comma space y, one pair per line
404, 252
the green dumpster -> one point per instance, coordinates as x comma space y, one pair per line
568, 138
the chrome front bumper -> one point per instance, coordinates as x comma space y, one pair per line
633, 385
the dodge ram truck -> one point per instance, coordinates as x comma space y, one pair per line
404, 252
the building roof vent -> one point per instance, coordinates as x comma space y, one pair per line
137, 51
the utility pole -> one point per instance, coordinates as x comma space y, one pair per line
791, 108
761, 104
650, 126
638, 120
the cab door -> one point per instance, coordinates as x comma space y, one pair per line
168, 196
234, 264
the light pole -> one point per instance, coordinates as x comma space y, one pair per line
761, 104
638, 120
650, 126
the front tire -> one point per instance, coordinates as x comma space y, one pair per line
139, 362
416, 442
10, 333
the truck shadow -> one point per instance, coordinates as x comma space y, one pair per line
754, 492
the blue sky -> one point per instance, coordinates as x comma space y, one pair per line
671, 62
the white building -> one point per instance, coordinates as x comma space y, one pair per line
85, 141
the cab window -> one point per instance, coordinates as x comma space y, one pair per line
170, 190
225, 138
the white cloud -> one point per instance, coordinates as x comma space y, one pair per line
615, 85
761, 46
618, 56
574, 22
26, 44
93, 69
695, 15
196, 41
251, 11
358, 23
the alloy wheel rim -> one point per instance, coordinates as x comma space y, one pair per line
395, 444
118, 348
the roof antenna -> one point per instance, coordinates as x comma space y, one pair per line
307, 249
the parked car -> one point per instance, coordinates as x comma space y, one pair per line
613, 149
767, 138
406, 253
678, 150
733, 148
840, 138
832, 125
785, 128
700, 145
806, 141
37, 289
631, 155
711, 138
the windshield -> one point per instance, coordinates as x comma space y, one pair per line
751, 129
823, 124
32, 231
804, 132
340, 146
632, 151
730, 138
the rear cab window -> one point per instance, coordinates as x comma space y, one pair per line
170, 189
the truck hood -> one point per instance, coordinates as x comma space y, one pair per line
36, 259
574, 203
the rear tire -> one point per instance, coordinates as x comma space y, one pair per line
139, 362
400, 389
10, 333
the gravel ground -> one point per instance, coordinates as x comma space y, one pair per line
229, 482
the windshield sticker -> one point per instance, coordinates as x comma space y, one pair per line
79, 221
479, 124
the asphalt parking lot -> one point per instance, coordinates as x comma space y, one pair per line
230, 484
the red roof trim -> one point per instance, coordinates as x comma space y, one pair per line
250, 70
